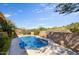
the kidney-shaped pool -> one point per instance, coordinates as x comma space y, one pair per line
32, 42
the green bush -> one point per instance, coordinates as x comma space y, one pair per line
4, 44
74, 27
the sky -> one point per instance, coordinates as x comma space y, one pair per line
35, 15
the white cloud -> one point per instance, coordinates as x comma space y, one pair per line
46, 7
41, 25
37, 10
43, 19
43, 4
7, 15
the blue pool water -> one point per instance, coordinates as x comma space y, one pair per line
32, 42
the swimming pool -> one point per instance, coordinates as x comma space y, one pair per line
32, 42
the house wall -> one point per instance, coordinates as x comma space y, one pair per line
43, 34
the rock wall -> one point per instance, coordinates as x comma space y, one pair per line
66, 39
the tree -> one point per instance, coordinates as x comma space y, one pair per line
10, 23
74, 27
41, 28
10, 28
7, 26
36, 31
66, 8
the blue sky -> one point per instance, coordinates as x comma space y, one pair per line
30, 15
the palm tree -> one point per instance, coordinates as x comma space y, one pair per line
8, 27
